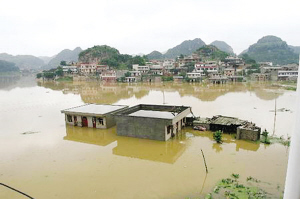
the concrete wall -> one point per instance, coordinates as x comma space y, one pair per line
141, 127
108, 121
247, 134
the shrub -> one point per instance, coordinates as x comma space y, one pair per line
218, 136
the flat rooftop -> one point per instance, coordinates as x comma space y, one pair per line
94, 109
154, 114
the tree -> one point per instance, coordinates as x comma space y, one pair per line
128, 74
39, 75
59, 71
63, 63
49, 75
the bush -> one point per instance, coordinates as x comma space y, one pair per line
39, 75
218, 136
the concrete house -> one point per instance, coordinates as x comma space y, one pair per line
156, 122
92, 115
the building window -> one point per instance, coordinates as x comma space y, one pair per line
69, 118
100, 120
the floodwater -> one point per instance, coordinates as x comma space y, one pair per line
44, 158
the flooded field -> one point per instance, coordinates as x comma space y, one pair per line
44, 158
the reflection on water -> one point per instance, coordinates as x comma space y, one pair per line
95, 92
12, 81
167, 152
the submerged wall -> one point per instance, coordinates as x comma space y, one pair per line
247, 134
142, 127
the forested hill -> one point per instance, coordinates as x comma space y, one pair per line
223, 46
8, 67
110, 56
185, 48
23, 61
272, 49
210, 52
65, 55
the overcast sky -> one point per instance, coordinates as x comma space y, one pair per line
45, 27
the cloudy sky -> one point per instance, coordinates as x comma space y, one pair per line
44, 27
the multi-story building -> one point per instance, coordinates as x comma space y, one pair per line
287, 75
142, 69
209, 67
194, 76
108, 76
88, 68
70, 69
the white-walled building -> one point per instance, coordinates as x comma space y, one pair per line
142, 69
72, 69
209, 66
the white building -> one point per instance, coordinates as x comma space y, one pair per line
142, 69
72, 69
194, 75
88, 68
135, 73
287, 75
209, 66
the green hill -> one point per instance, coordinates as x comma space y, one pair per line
211, 53
223, 46
65, 55
110, 56
272, 49
185, 48
296, 49
23, 61
155, 55
8, 67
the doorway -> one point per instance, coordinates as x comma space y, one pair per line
84, 121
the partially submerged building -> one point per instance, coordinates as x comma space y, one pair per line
244, 130
156, 122
92, 115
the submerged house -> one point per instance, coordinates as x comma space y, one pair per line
156, 122
92, 115
244, 130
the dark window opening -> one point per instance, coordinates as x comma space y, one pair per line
100, 120
69, 118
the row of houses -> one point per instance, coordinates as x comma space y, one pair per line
232, 68
276, 73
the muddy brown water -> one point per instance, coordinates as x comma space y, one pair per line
59, 161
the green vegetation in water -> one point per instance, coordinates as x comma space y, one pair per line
65, 79
266, 139
167, 78
280, 140
232, 188
218, 136
291, 88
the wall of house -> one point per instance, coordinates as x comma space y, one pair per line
110, 120
247, 134
141, 127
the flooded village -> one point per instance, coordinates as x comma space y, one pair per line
66, 156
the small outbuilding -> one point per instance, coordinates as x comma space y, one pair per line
156, 122
92, 115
